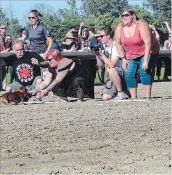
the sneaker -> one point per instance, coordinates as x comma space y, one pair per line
120, 96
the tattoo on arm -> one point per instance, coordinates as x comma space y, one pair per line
43, 85
43, 64
52, 85
60, 76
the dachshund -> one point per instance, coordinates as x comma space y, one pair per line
20, 95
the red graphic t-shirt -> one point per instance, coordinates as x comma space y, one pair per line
24, 71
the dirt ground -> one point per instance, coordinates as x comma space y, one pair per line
91, 137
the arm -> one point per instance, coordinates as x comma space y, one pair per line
49, 39
118, 43
110, 62
44, 64
45, 83
155, 32
100, 62
8, 58
168, 27
166, 47
146, 36
60, 76
157, 35
50, 43
80, 29
38, 60
6, 55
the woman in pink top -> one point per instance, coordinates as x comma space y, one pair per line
135, 36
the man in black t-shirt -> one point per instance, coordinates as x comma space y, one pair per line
26, 66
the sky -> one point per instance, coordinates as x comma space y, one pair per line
20, 8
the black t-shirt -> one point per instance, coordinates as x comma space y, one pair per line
24, 71
68, 47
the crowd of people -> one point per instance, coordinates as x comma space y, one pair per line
35, 60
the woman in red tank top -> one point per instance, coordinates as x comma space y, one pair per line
134, 35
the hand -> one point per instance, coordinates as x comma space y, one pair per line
43, 92
5, 51
124, 64
153, 27
145, 65
97, 53
73, 49
82, 24
33, 92
34, 61
43, 55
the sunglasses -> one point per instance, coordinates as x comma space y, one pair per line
126, 15
31, 17
101, 36
49, 60
3, 28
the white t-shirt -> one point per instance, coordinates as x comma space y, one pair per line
113, 54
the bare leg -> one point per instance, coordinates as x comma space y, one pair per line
133, 92
38, 82
106, 97
116, 79
8, 89
147, 90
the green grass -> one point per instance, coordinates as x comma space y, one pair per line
155, 77
97, 78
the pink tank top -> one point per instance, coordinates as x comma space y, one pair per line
134, 46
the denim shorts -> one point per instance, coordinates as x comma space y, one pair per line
132, 69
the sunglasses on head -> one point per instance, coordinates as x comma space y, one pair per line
3, 28
31, 17
126, 15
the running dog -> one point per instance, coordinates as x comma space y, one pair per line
20, 95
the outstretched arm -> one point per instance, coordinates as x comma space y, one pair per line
60, 76
168, 27
6, 54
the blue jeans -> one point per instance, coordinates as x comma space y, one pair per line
132, 69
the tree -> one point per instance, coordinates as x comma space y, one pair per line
161, 9
100, 7
12, 24
44, 9
106, 20
62, 20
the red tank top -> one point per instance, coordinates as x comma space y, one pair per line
134, 46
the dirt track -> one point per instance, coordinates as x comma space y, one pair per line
88, 137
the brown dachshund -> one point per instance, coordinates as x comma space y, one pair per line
15, 97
